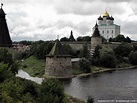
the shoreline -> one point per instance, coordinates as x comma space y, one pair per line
92, 73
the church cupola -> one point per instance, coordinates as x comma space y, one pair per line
105, 14
100, 19
5, 40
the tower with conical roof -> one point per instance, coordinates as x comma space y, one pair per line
96, 38
58, 62
107, 27
71, 38
5, 40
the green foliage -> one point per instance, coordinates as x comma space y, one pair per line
5, 72
18, 56
51, 91
107, 57
12, 91
133, 57
64, 39
40, 49
123, 50
33, 66
6, 58
90, 100
120, 38
85, 38
85, 65
96, 56
70, 51
84, 53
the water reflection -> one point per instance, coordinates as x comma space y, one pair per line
119, 85
112, 86
25, 75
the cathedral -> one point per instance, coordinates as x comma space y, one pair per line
106, 26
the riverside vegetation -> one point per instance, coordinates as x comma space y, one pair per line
17, 90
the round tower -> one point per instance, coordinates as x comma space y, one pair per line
58, 62
96, 38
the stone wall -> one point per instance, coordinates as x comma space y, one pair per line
79, 45
96, 41
58, 66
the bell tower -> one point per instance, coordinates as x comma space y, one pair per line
5, 40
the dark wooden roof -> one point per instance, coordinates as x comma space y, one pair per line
5, 40
58, 50
71, 38
96, 32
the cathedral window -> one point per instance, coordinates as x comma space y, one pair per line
103, 31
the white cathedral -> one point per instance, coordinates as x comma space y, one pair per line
106, 26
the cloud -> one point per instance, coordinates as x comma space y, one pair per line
45, 19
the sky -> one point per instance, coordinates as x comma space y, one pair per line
48, 19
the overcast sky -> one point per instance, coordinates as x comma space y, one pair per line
45, 19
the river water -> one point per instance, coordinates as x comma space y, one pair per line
105, 88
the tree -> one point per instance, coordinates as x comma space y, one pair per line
85, 38
6, 58
84, 53
79, 38
84, 65
40, 49
90, 100
107, 57
128, 40
64, 39
133, 57
120, 38
5, 72
123, 50
51, 92
96, 56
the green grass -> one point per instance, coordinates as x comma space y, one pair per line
33, 66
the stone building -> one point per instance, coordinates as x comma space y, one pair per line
5, 40
58, 62
96, 38
107, 27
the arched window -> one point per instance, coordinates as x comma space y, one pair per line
103, 31
112, 31
107, 31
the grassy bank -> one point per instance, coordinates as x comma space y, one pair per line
33, 66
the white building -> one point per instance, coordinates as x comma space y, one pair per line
106, 26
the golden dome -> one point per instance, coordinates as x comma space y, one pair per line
105, 14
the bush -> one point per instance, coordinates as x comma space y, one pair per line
84, 65
107, 58
90, 100
133, 57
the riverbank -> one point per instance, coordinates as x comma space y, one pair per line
104, 70
94, 73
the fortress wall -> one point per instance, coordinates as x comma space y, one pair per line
58, 66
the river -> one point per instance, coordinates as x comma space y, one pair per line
119, 85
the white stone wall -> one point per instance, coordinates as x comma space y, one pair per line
58, 66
